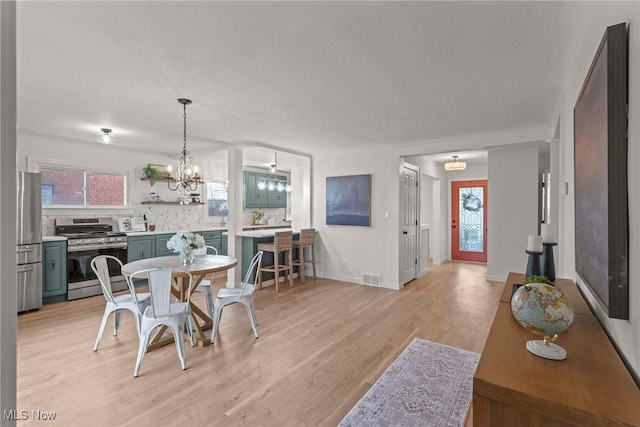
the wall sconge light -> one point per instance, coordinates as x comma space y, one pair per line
455, 165
105, 137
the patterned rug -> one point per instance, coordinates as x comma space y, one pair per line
429, 384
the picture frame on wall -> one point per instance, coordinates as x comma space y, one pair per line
348, 200
601, 192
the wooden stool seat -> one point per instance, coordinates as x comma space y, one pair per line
307, 240
282, 242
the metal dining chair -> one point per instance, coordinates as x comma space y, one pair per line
242, 295
162, 311
116, 304
205, 285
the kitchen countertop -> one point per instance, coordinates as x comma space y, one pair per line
261, 226
53, 238
267, 232
153, 233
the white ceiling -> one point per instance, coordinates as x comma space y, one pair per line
304, 76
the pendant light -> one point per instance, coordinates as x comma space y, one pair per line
455, 165
186, 175
274, 184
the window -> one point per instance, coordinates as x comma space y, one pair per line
69, 187
217, 202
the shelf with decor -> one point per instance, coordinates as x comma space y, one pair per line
171, 203
144, 178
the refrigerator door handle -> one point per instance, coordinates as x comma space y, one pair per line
25, 268
22, 250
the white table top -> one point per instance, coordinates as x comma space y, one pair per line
203, 264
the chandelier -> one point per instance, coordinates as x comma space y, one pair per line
274, 184
455, 165
186, 175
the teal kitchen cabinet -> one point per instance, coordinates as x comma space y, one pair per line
277, 199
224, 245
141, 247
54, 274
253, 197
213, 238
161, 245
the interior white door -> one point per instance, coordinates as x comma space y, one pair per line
408, 223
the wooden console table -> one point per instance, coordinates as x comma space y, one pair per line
513, 387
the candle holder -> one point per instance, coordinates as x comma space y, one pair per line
548, 265
533, 264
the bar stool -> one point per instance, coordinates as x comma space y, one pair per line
307, 240
282, 242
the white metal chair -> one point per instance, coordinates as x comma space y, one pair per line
115, 304
205, 285
163, 312
243, 295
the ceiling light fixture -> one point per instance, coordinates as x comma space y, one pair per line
455, 165
275, 184
186, 174
105, 137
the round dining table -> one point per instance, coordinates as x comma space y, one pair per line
201, 267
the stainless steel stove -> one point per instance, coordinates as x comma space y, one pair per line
86, 239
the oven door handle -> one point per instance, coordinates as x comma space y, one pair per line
83, 248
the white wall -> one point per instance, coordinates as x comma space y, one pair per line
426, 220
35, 148
624, 333
513, 208
346, 252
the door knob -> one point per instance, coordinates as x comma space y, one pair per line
404, 232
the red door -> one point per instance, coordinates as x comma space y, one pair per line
469, 220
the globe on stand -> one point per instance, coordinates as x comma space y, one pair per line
544, 310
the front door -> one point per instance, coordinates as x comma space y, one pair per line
408, 223
469, 220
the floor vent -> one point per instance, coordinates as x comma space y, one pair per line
371, 279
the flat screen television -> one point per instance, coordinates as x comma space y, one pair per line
600, 147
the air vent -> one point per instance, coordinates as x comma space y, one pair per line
371, 279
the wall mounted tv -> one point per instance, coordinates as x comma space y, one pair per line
600, 147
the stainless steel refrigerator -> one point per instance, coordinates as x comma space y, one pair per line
29, 233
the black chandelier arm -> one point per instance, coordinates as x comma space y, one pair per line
193, 186
169, 185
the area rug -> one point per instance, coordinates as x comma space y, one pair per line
429, 384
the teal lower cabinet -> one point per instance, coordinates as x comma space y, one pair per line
141, 247
54, 271
224, 245
161, 245
214, 238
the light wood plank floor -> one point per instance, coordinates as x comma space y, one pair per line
321, 347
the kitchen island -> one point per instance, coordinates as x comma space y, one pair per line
250, 241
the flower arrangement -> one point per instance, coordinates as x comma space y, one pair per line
256, 216
185, 241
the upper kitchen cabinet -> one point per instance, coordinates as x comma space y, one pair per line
257, 198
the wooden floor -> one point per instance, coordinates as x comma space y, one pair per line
321, 347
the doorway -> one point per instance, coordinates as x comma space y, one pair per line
408, 223
469, 220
